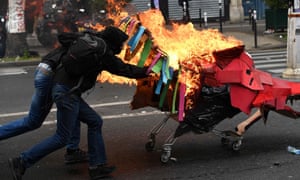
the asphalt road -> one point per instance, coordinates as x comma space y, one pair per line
263, 154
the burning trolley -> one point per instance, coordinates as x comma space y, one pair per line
199, 77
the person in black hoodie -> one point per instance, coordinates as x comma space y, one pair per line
71, 107
40, 107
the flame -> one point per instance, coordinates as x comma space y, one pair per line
183, 41
115, 8
185, 47
183, 44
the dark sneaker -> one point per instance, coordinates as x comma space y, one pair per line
101, 172
76, 156
17, 167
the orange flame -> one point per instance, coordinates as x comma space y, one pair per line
185, 47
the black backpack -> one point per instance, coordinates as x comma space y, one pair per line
84, 51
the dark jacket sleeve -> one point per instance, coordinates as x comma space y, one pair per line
116, 66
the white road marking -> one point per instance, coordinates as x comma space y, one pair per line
12, 71
115, 116
54, 109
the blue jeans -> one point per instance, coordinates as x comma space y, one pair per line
40, 107
70, 107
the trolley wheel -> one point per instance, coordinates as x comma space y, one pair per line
225, 141
150, 145
165, 156
236, 145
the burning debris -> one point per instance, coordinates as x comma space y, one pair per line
177, 54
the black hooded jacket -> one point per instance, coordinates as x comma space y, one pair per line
109, 62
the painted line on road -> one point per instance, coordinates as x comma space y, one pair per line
54, 109
123, 115
12, 71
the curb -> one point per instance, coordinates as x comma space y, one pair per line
271, 47
20, 63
